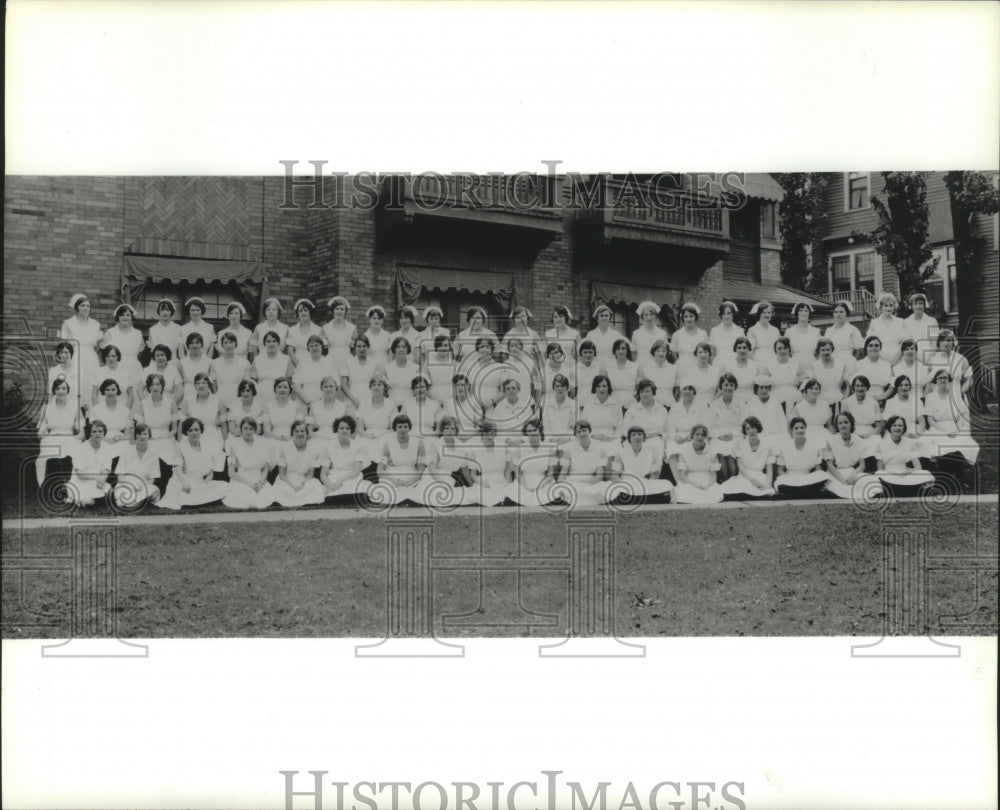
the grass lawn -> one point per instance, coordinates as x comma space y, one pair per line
791, 570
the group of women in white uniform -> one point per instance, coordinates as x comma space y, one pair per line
295, 413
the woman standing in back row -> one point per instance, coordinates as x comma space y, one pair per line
686, 339
86, 332
649, 331
562, 333
724, 334
845, 337
603, 335
891, 330
340, 333
762, 334
802, 337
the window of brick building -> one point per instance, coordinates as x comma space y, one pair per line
856, 190
216, 297
456, 305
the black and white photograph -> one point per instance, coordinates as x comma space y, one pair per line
312, 428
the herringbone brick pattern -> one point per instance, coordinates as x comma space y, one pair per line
195, 209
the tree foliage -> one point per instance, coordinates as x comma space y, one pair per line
800, 214
902, 235
970, 194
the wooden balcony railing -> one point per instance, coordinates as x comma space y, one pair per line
860, 300
684, 212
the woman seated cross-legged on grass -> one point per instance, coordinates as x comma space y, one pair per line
447, 465
193, 482
845, 460
248, 468
798, 462
898, 461
403, 460
91, 466
58, 429
346, 457
137, 470
583, 465
697, 469
635, 469
488, 465
532, 466
298, 461
755, 457
948, 437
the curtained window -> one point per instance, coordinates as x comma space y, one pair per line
456, 291
147, 279
623, 298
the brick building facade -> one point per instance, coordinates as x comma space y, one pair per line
70, 234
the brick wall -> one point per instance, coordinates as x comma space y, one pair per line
285, 244
363, 277
551, 282
707, 293
61, 235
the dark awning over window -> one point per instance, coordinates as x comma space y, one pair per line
628, 294
139, 271
605, 292
747, 293
413, 281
